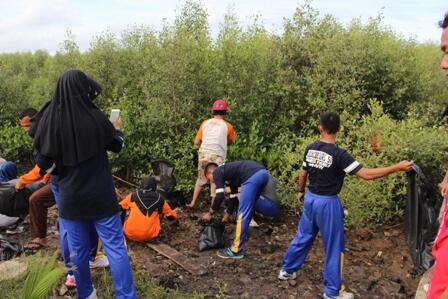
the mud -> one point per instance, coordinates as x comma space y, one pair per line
377, 264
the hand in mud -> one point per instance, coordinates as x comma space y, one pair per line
405, 165
300, 197
190, 205
225, 218
207, 217
443, 188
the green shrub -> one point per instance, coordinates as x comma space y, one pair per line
15, 145
377, 140
276, 84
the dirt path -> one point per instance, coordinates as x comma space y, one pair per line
377, 266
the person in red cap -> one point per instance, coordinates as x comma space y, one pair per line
213, 136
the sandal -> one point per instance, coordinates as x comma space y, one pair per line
33, 247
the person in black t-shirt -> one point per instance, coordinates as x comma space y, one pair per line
326, 165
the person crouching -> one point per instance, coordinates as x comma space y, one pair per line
146, 205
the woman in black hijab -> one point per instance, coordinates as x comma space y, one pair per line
71, 136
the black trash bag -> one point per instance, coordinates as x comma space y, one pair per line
166, 182
212, 236
175, 199
164, 174
8, 249
421, 223
14, 203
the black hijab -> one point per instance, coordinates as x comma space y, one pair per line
147, 198
70, 128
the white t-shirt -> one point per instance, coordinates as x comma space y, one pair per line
215, 135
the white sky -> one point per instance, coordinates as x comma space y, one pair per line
27, 25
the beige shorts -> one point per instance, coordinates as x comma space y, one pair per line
203, 160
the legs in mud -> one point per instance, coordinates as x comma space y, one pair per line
40, 201
196, 193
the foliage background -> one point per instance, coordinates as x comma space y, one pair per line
388, 89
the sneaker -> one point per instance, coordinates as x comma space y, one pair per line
92, 295
283, 275
227, 253
100, 262
70, 282
342, 295
253, 223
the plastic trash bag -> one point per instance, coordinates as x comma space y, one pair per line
164, 174
212, 236
421, 223
8, 249
166, 182
14, 203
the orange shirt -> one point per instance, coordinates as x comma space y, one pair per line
33, 176
139, 227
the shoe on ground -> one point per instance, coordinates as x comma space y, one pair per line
253, 223
100, 262
343, 295
92, 295
227, 253
70, 281
283, 275
15, 230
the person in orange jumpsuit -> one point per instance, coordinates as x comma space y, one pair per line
145, 206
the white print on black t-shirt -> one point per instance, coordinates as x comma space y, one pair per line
318, 159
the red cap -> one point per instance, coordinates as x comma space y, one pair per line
220, 105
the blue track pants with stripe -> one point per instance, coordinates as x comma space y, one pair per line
251, 201
324, 214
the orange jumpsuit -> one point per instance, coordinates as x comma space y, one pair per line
140, 227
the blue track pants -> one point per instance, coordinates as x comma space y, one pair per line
63, 239
251, 201
110, 231
324, 214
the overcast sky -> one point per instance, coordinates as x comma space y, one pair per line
27, 25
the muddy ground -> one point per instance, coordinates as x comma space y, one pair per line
378, 264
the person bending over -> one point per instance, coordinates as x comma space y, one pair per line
214, 136
252, 178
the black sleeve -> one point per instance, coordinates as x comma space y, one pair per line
218, 176
116, 144
233, 191
46, 164
348, 163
